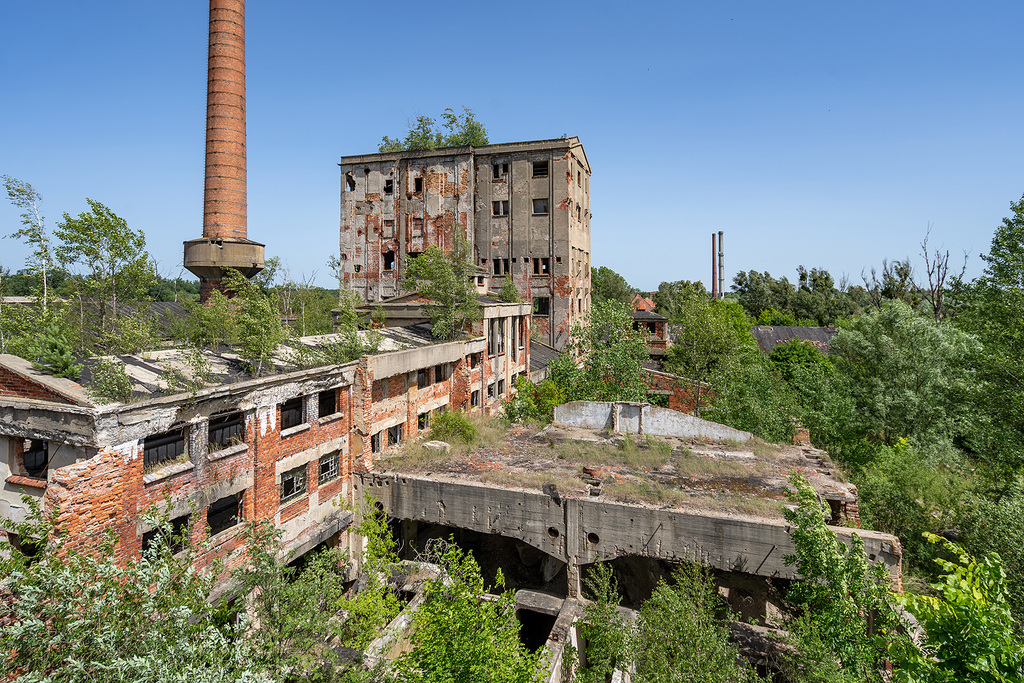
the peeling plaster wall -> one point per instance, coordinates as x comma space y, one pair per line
643, 418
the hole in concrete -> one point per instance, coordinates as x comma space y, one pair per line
552, 532
534, 628
379, 506
593, 538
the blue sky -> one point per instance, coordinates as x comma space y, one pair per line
818, 133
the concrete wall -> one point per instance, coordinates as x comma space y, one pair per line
583, 531
643, 418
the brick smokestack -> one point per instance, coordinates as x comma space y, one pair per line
714, 268
721, 264
225, 242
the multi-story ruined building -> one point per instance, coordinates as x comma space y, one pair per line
524, 207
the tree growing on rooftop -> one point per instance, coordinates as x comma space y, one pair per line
446, 281
32, 231
461, 130
607, 285
257, 321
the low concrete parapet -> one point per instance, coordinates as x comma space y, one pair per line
643, 418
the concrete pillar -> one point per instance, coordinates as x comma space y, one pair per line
573, 543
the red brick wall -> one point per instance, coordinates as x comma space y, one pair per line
12, 384
684, 392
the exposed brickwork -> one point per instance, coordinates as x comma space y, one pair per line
684, 392
13, 384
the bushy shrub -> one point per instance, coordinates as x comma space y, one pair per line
454, 425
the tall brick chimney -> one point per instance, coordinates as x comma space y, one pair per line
224, 243
714, 269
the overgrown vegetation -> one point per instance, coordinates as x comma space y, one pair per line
461, 130
445, 280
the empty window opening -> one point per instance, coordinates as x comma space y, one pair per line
380, 389
579, 178
501, 387
178, 538
417, 185
293, 484
474, 398
158, 448
375, 443
541, 305
540, 169
541, 266
327, 403
413, 254
423, 420
422, 378
226, 429
490, 390
389, 185
540, 206
35, 458
499, 170
441, 372
291, 413
474, 360
579, 213
330, 467
534, 628
395, 435
224, 513
357, 267
389, 260
350, 182
500, 266
499, 208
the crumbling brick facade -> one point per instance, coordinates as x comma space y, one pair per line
523, 207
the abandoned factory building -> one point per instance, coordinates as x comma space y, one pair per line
524, 208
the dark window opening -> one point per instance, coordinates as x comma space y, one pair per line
423, 420
501, 387
357, 268
490, 391
28, 547
541, 305
441, 373
474, 398
224, 513
579, 178
389, 185
417, 185
499, 208
422, 378
540, 206
541, 266
578, 212
474, 360
350, 182
375, 443
413, 254
293, 484
540, 169
499, 170
178, 538
395, 435
160, 448
389, 260
330, 467
291, 413
327, 403
36, 458
226, 429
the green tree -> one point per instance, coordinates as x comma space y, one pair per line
604, 358
461, 130
446, 282
257, 322
459, 636
32, 231
750, 394
52, 353
607, 285
672, 296
87, 617
968, 626
509, 293
603, 628
117, 268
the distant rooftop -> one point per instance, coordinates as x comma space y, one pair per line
770, 336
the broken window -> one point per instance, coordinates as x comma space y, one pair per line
490, 390
389, 260
226, 429
395, 435
500, 170
350, 182
413, 254
293, 484
579, 212
375, 443
417, 185
36, 458
541, 305
499, 208
177, 539
540, 206
330, 467
474, 398
474, 360
224, 513
292, 413
423, 420
327, 403
501, 387
159, 448
422, 378
440, 372
417, 226
389, 185
541, 266
540, 169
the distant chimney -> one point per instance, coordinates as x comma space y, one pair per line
721, 264
714, 269
225, 242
